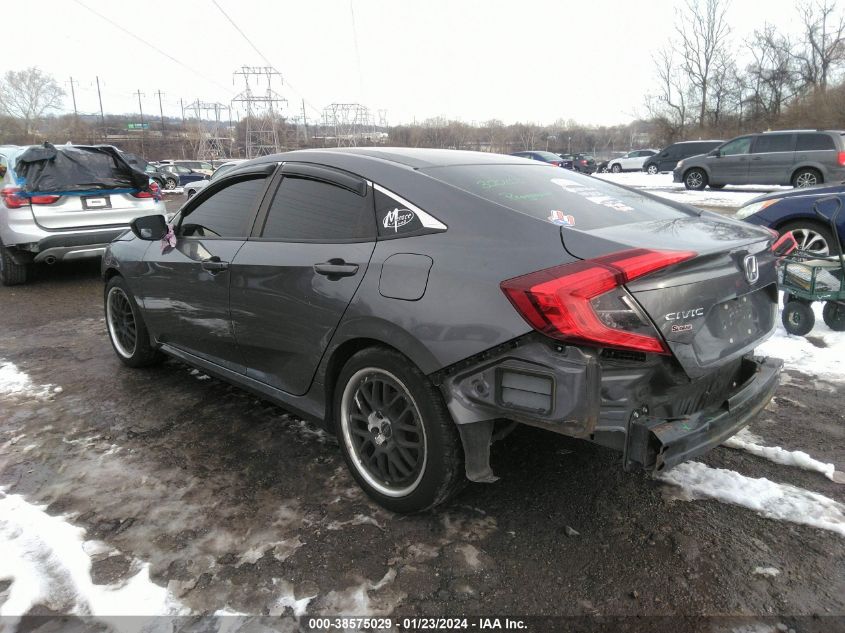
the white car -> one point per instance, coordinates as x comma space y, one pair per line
632, 161
193, 187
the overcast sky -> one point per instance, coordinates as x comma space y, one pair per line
518, 60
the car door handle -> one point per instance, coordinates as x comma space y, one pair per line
757, 158
336, 268
214, 265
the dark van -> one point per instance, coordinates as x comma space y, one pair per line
668, 158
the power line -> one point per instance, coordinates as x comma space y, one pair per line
152, 46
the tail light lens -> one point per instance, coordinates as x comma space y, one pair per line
584, 301
152, 191
555, 163
840, 158
13, 197
44, 199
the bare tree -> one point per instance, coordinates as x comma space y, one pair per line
703, 30
772, 75
669, 106
28, 94
824, 43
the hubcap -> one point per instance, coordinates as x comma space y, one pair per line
383, 432
694, 180
121, 322
652, 169
811, 242
806, 179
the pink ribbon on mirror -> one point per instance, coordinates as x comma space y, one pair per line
169, 239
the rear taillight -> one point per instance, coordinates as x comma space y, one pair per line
583, 162
13, 197
152, 191
584, 301
840, 158
555, 163
44, 199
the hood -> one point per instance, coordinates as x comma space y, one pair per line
819, 190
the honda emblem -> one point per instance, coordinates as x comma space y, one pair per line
752, 272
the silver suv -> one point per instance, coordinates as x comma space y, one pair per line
801, 158
65, 202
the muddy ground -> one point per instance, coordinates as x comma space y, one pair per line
237, 505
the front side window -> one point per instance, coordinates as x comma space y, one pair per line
737, 146
313, 210
773, 143
228, 212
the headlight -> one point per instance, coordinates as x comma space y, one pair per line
754, 207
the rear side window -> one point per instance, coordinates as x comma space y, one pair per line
312, 210
810, 142
229, 212
773, 143
562, 199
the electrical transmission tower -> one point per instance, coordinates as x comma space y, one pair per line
213, 137
263, 110
349, 123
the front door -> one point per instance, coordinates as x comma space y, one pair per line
730, 167
293, 280
185, 290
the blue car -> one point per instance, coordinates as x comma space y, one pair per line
793, 211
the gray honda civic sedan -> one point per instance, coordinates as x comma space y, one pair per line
418, 303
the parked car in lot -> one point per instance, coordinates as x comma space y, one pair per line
792, 211
583, 163
632, 161
410, 329
545, 157
185, 175
66, 202
198, 166
667, 159
164, 179
801, 158
193, 187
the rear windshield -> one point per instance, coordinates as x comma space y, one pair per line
562, 199
547, 155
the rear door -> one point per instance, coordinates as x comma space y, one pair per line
730, 167
772, 158
185, 290
293, 280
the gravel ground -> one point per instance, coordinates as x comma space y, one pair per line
230, 503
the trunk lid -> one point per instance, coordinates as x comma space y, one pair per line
710, 309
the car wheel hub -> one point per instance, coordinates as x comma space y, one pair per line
806, 180
810, 241
121, 322
383, 432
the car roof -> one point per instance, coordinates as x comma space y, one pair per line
413, 157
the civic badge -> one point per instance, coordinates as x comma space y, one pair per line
752, 272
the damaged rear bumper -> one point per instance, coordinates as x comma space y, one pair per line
642, 405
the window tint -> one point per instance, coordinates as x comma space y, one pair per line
393, 218
646, 152
737, 146
305, 209
809, 142
227, 213
773, 143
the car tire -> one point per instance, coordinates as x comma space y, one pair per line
170, 184
834, 315
812, 237
191, 193
712, 186
377, 390
127, 331
806, 177
617, 168
651, 169
695, 179
12, 273
798, 318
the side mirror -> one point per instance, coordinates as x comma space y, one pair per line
715, 153
149, 227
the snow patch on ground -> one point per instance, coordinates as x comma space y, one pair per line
745, 440
822, 355
771, 572
16, 383
661, 185
769, 499
357, 601
49, 563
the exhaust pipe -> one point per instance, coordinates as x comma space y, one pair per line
50, 260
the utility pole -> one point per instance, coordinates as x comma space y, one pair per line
304, 122
73, 95
141, 110
161, 111
102, 116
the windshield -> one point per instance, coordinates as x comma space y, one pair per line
556, 196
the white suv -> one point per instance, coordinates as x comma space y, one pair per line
66, 202
632, 161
